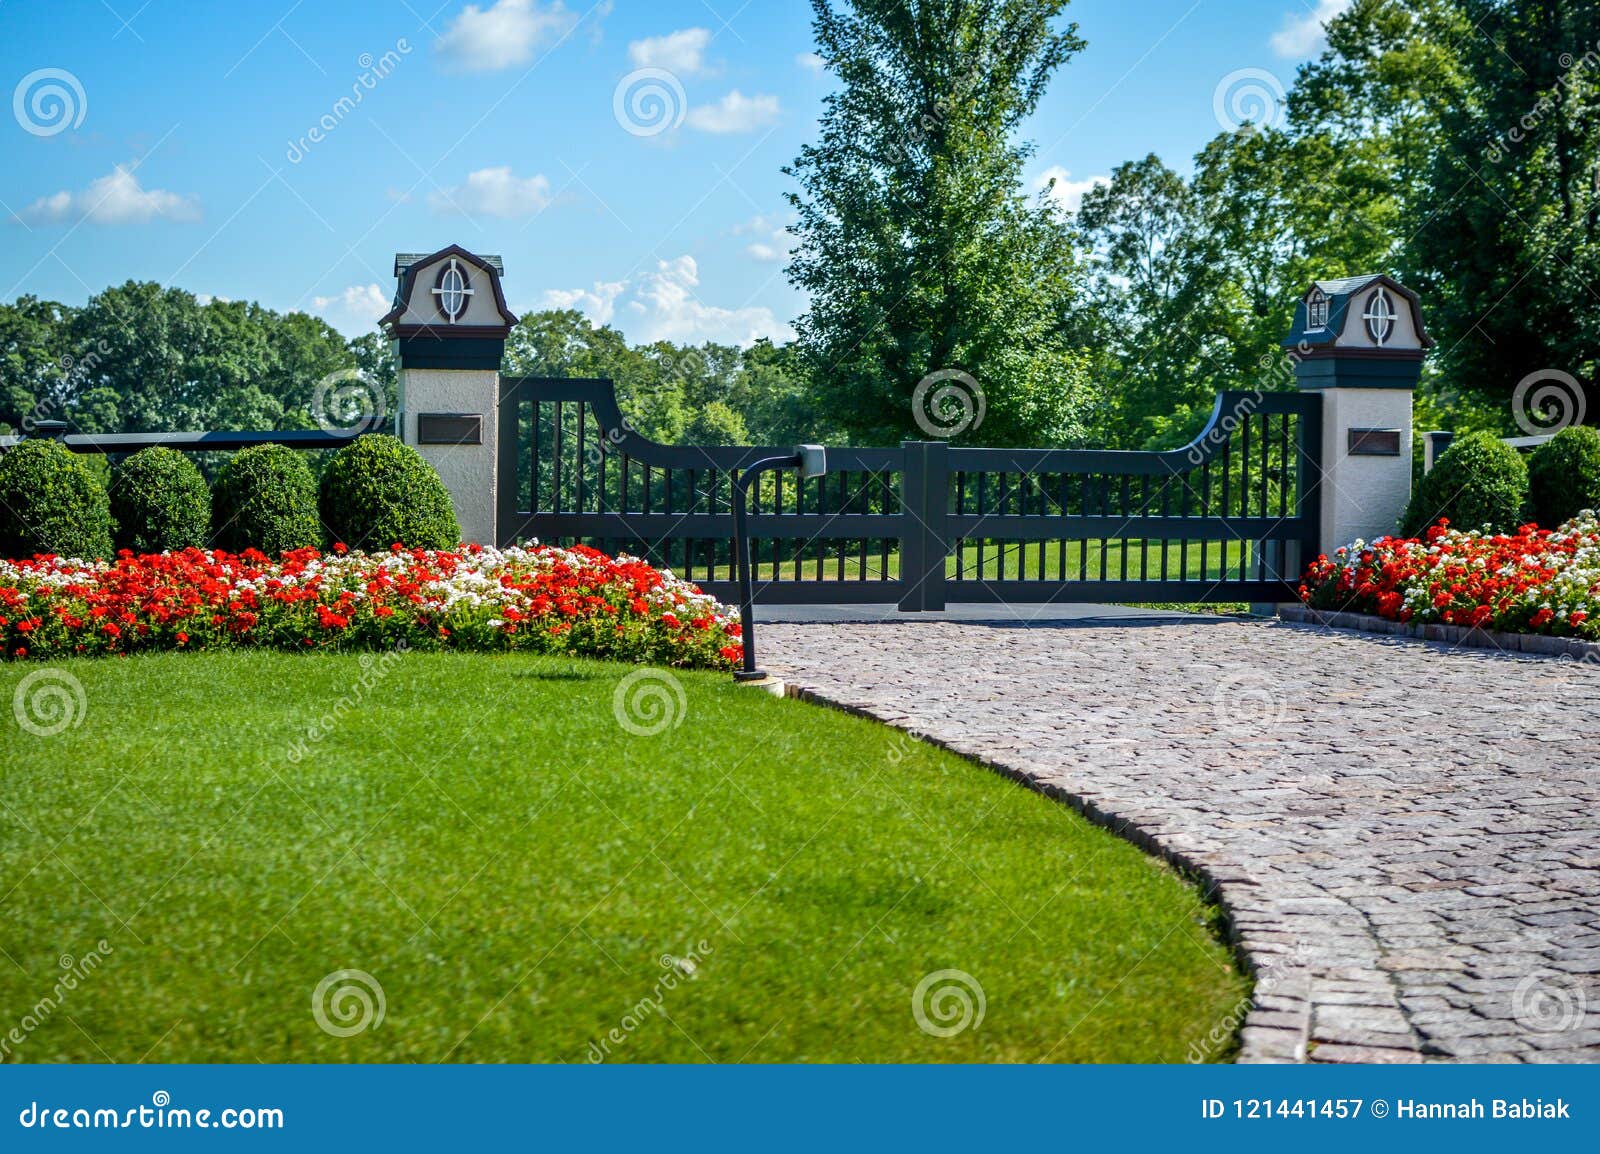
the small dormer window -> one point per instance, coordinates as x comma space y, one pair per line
1317, 310
1380, 316
452, 291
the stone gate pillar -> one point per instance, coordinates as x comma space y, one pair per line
450, 324
1360, 342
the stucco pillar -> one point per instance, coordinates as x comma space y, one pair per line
464, 398
1360, 342
450, 324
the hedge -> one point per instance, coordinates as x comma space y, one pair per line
50, 502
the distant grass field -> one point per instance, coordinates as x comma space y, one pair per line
1031, 561
262, 840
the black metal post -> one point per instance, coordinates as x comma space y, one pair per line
741, 545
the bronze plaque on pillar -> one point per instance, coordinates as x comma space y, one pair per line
449, 428
1374, 442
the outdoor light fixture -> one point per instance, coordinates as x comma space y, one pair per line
812, 461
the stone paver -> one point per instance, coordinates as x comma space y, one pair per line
1406, 838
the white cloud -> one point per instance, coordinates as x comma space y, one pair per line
735, 112
682, 53
494, 192
1067, 193
771, 239
599, 305
811, 62
353, 311
1302, 32
116, 198
505, 35
661, 305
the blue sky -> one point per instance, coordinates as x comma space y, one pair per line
206, 145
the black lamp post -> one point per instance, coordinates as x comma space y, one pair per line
812, 461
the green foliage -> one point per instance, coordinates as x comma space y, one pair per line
160, 502
667, 390
50, 502
1480, 481
1564, 476
378, 491
917, 247
266, 499
1512, 189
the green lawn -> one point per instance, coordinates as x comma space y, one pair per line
510, 865
1015, 560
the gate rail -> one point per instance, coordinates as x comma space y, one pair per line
1233, 516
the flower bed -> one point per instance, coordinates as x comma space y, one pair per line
539, 599
1534, 581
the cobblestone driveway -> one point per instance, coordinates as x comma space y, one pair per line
1406, 838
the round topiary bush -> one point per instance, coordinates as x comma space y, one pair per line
378, 491
160, 502
50, 502
265, 498
1564, 476
1479, 481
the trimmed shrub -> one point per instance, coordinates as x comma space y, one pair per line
266, 499
1479, 481
378, 491
1564, 476
50, 502
160, 502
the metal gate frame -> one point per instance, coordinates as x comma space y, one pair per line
594, 479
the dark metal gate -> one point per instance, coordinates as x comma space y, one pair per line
1233, 516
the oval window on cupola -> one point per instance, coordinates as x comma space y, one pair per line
452, 291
